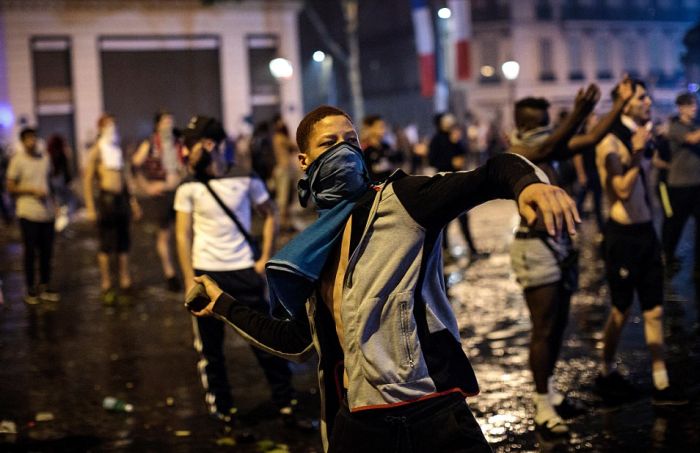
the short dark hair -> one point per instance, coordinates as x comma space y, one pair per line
307, 124
615, 93
201, 127
686, 99
26, 131
159, 116
525, 117
370, 120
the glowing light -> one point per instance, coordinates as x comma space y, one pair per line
510, 69
319, 56
281, 68
6, 116
487, 71
444, 13
693, 87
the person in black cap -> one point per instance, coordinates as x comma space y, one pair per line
210, 241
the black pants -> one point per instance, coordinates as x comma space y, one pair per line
685, 201
247, 287
38, 240
442, 424
632, 255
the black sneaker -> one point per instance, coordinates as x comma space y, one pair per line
615, 388
670, 396
569, 408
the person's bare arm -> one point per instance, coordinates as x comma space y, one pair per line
602, 127
270, 226
556, 145
88, 180
139, 157
580, 169
183, 238
659, 163
622, 180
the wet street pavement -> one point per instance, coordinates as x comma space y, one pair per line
59, 361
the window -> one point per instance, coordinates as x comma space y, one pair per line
630, 56
489, 50
546, 64
574, 51
602, 53
543, 10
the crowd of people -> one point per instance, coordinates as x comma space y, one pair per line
363, 284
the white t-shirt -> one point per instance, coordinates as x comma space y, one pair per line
217, 244
32, 173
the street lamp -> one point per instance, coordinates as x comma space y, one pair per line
281, 68
319, 56
444, 13
510, 69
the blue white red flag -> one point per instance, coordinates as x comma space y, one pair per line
425, 46
462, 35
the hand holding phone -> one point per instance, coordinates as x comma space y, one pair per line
196, 298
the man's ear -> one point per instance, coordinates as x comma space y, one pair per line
303, 161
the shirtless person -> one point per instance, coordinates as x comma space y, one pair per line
632, 250
115, 205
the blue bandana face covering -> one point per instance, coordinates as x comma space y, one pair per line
336, 180
338, 174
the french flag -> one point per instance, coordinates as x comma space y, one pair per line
461, 36
425, 45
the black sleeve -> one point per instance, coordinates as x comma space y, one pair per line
435, 201
290, 339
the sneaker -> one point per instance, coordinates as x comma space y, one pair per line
670, 396
569, 408
173, 284
552, 429
48, 295
614, 387
109, 296
31, 298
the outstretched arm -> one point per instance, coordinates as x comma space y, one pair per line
434, 201
556, 145
602, 127
289, 339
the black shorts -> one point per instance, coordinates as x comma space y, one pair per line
113, 222
159, 209
633, 262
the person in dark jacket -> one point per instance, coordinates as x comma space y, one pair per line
363, 286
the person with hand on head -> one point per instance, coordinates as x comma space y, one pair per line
211, 242
545, 266
632, 252
363, 286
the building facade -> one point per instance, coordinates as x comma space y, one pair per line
562, 45
64, 62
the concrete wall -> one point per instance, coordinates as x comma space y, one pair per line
231, 21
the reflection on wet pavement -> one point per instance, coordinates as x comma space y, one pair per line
65, 358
